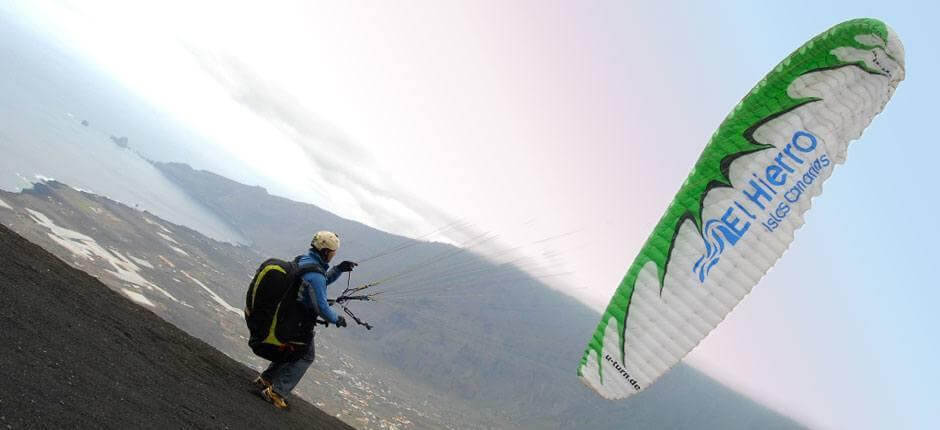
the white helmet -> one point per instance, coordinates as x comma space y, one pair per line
325, 240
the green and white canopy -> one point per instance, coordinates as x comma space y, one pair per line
738, 210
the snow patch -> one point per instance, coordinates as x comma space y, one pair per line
158, 225
167, 238
179, 250
4, 204
214, 296
137, 297
168, 262
86, 247
141, 261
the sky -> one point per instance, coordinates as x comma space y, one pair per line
575, 121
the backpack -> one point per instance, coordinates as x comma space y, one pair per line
279, 326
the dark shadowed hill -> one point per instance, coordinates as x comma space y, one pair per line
77, 354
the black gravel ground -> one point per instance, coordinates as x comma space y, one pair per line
74, 354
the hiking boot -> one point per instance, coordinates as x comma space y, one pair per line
262, 383
274, 398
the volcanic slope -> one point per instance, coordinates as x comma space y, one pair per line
77, 354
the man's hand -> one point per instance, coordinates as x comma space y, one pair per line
340, 321
346, 266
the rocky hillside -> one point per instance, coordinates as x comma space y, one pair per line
77, 354
198, 285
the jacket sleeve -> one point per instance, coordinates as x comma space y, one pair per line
332, 275
313, 296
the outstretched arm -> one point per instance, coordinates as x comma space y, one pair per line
314, 296
336, 271
333, 274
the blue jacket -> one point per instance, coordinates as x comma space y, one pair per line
312, 293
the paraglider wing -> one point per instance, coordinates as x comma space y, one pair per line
736, 213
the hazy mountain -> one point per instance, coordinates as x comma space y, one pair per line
458, 342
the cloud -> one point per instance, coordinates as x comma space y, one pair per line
355, 184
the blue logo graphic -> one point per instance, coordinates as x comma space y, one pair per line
715, 233
789, 173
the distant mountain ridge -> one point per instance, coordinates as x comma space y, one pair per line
275, 225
